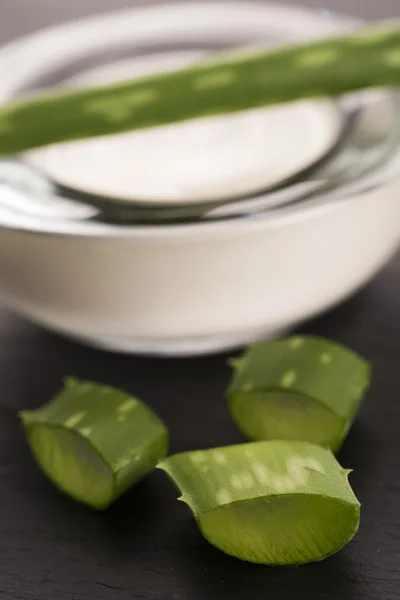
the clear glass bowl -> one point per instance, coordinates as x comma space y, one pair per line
173, 278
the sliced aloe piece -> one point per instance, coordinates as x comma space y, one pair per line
275, 503
95, 442
299, 388
368, 58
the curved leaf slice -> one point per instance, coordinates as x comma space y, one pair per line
273, 503
300, 388
366, 58
94, 442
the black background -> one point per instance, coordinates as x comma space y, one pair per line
147, 545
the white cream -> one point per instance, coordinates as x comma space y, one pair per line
203, 159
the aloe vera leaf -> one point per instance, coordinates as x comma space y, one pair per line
274, 503
367, 58
94, 442
298, 388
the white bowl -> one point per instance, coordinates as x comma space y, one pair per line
190, 288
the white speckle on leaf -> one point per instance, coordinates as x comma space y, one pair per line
122, 418
119, 108
317, 58
247, 479
313, 464
296, 343
288, 379
299, 467
124, 462
215, 80
236, 482
223, 496
297, 473
282, 484
220, 458
325, 358
249, 453
85, 431
128, 405
261, 473
198, 457
74, 419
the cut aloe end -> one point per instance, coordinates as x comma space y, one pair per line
274, 503
368, 58
299, 388
95, 442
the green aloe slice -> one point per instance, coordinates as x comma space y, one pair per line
95, 442
367, 58
274, 503
299, 388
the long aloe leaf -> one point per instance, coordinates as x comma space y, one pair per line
367, 58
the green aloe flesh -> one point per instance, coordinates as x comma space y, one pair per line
94, 442
367, 58
272, 503
299, 388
